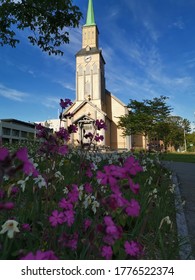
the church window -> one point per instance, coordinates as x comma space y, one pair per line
95, 69
88, 70
80, 70
87, 88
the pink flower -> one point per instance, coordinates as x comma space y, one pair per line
56, 218
4, 152
106, 252
133, 208
28, 169
133, 248
39, 255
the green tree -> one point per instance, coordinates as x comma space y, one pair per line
145, 117
46, 21
173, 131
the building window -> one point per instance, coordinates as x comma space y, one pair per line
31, 135
24, 134
6, 131
15, 132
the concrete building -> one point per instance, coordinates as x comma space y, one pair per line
53, 124
13, 131
93, 100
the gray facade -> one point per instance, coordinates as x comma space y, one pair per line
13, 131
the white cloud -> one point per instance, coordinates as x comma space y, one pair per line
13, 94
51, 102
178, 24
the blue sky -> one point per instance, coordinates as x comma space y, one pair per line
148, 46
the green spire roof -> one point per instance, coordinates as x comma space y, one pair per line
90, 14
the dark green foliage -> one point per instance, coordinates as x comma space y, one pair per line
45, 20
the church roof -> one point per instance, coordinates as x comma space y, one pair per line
90, 14
91, 104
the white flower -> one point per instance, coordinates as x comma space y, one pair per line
22, 183
87, 201
59, 176
167, 220
65, 190
95, 205
81, 188
41, 181
10, 226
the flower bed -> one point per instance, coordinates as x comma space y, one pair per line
62, 203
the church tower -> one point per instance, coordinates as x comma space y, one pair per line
93, 101
90, 74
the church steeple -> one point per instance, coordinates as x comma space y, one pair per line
90, 14
90, 30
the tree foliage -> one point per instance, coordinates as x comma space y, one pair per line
46, 20
152, 119
144, 116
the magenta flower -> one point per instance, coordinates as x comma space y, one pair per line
65, 204
69, 241
63, 150
134, 186
22, 154
69, 217
99, 138
28, 169
65, 103
56, 218
8, 205
88, 188
110, 175
4, 152
39, 255
133, 248
132, 166
2, 193
14, 190
106, 252
73, 195
133, 208
26, 227
89, 173
87, 224
72, 128
100, 124
63, 134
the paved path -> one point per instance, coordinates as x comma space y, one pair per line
185, 173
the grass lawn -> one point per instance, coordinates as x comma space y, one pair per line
179, 157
